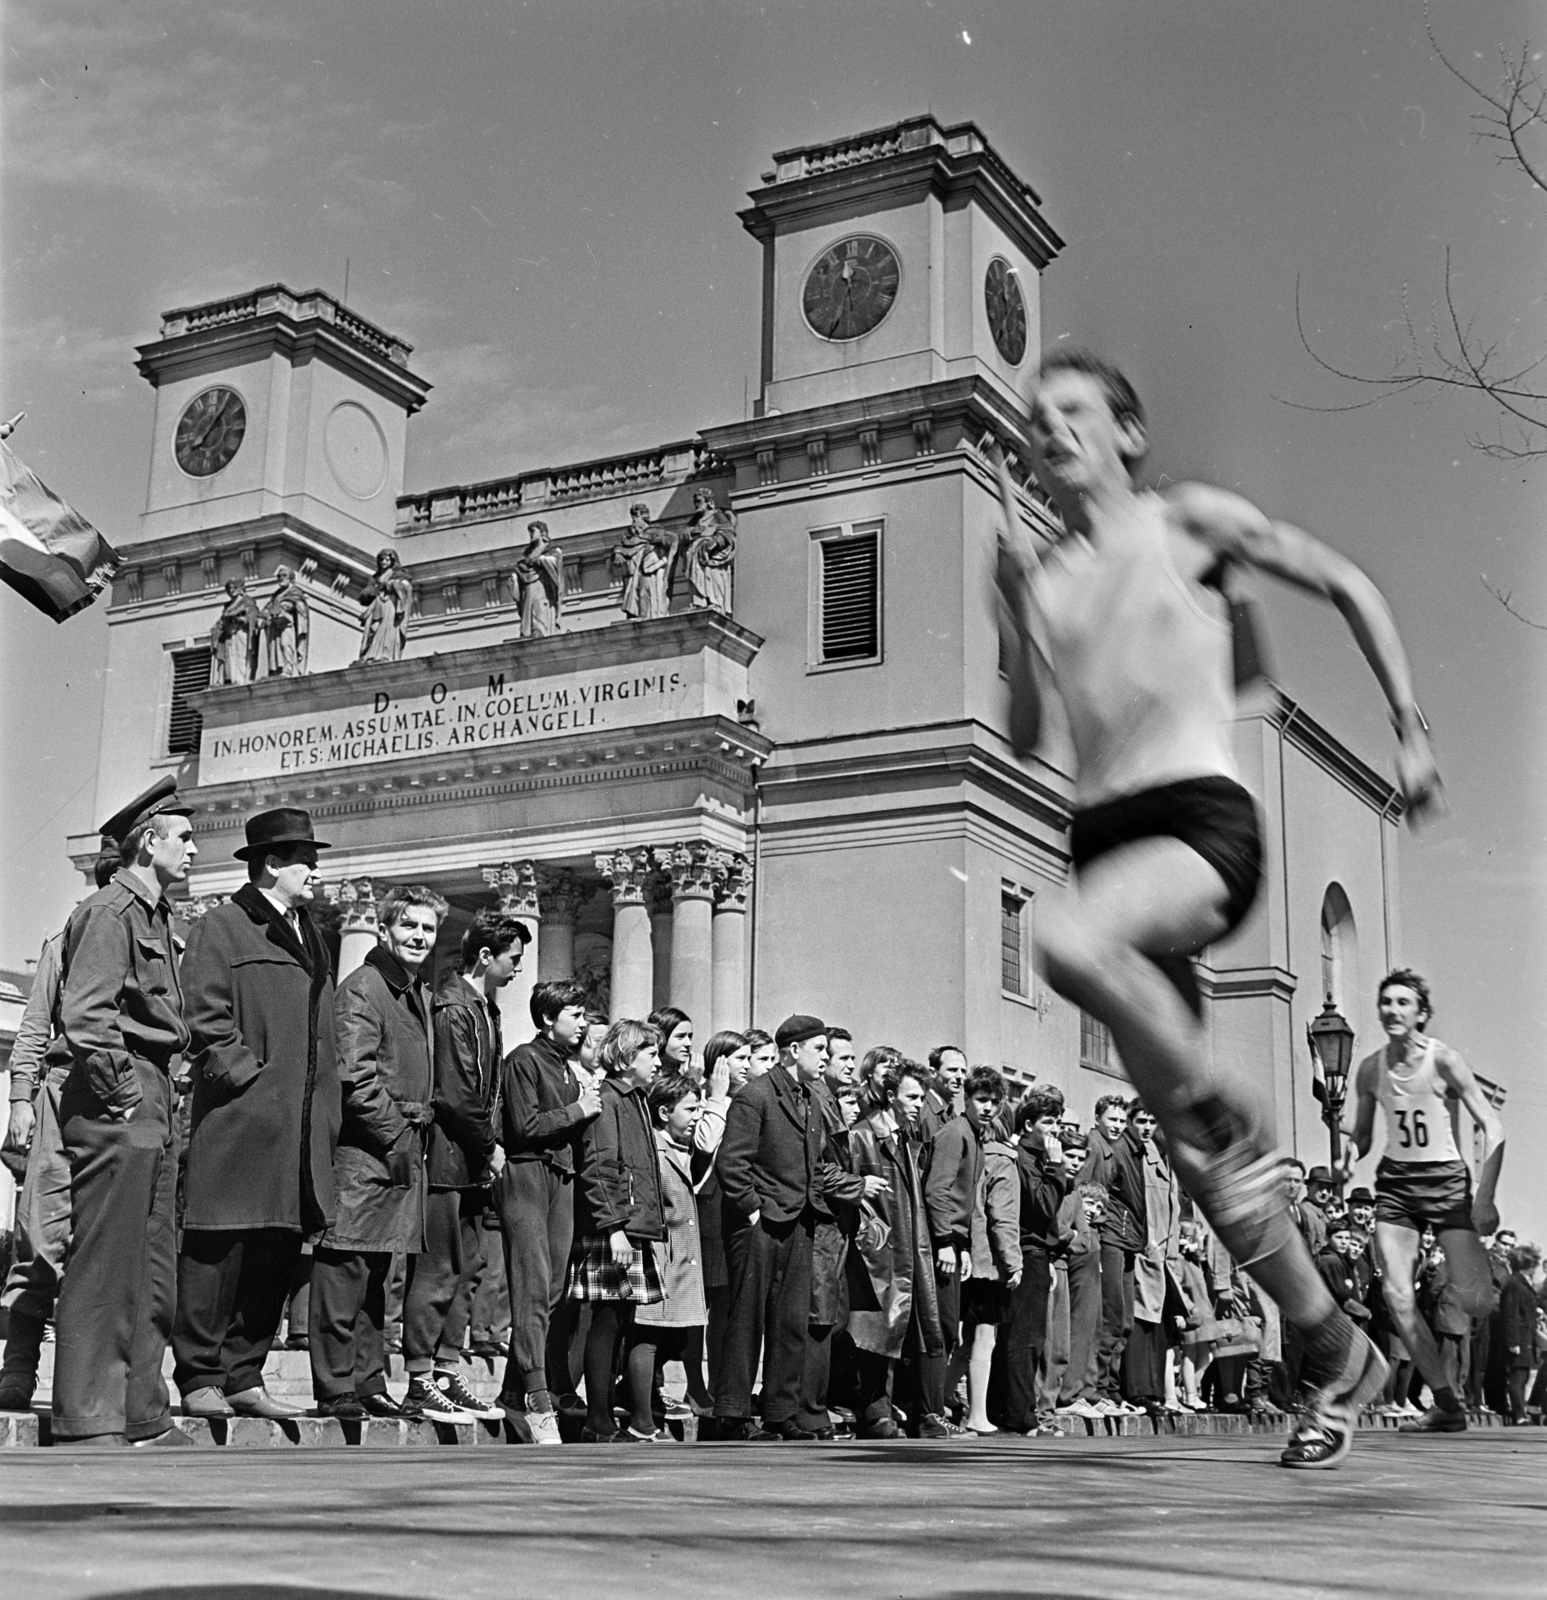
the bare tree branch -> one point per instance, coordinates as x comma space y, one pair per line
1503, 597
1516, 118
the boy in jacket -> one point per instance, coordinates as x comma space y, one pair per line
543, 1107
1114, 1162
1517, 1327
464, 1158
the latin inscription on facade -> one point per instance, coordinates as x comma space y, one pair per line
449, 717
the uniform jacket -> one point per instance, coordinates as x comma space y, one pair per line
39, 1023
1517, 1321
617, 1179
996, 1224
265, 1115
678, 1257
890, 1272
1043, 1188
775, 1158
383, 1019
122, 997
1115, 1163
933, 1116
953, 1188
539, 1116
467, 1085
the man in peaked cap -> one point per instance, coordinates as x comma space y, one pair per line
259, 991
121, 1016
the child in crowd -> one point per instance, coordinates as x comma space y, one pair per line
664, 1331
1079, 1220
997, 1261
619, 1215
1198, 1340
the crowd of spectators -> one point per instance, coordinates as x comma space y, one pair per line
827, 1242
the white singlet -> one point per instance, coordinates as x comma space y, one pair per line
1143, 669
1418, 1107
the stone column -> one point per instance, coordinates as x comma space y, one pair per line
359, 930
559, 895
658, 898
694, 869
628, 871
729, 943
515, 882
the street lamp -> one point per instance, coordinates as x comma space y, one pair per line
1332, 1050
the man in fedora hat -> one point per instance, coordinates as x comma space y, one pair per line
265, 1119
121, 1015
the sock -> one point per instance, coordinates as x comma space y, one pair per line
1446, 1399
1328, 1343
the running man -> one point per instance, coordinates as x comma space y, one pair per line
1422, 1084
1123, 616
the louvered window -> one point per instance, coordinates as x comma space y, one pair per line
190, 673
848, 622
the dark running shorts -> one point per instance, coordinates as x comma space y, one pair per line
985, 1303
1215, 817
1412, 1193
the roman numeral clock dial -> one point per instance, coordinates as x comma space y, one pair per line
210, 431
851, 287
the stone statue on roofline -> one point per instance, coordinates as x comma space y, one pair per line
709, 553
287, 627
234, 638
538, 582
645, 555
388, 599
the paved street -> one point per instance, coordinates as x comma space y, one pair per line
1120, 1517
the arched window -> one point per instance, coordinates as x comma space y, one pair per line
1339, 947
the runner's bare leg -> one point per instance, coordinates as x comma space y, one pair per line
1156, 897
1470, 1277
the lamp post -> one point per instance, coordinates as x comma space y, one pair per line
1332, 1049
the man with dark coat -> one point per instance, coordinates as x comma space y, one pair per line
382, 1014
943, 1099
121, 1014
1114, 1161
464, 1159
259, 997
777, 1177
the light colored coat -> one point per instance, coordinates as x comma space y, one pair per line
1163, 1218
679, 1256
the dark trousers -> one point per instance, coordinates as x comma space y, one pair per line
486, 1317
231, 1291
115, 1307
537, 1220
440, 1276
873, 1378
1144, 1364
770, 1304
1477, 1366
348, 1313
1085, 1281
932, 1369
1020, 1343
1116, 1318
42, 1235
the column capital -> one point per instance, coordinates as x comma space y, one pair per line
694, 869
515, 882
559, 894
628, 871
356, 900
735, 882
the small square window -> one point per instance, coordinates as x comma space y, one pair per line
1012, 942
1097, 1051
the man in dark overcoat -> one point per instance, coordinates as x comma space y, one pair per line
777, 1178
259, 999
382, 1012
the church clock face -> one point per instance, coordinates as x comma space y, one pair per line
210, 431
1006, 310
851, 288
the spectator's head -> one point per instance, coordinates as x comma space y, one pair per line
590, 1046
1142, 1122
734, 1050
902, 1085
675, 1107
1093, 1199
949, 1065
1525, 1258
1041, 1108
1190, 1240
559, 1013
1504, 1241
982, 1098
1361, 1209
1294, 1179
1320, 1187
1342, 1240
1404, 1002
409, 917
631, 1053
765, 1053
676, 1031
842, 1068
871, 1096
109, 860
1426, 1239
1111, 1115
491, 948
802, 1042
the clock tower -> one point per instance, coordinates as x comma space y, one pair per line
903, 257
277, 405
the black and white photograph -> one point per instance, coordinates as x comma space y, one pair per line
804, 737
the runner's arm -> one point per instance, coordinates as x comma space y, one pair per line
1461, 1078
1362, 1135
1228, 525
1015, 573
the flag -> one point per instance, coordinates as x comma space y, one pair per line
49, 553
1318, 1079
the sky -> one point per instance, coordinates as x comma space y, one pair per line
541, 198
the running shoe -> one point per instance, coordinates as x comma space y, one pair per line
1082, 1408
1436, 1420
544, 1426
1324, 1433
453, 1390
433, 1402
933, 1426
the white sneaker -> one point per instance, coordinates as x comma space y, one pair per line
544, 1426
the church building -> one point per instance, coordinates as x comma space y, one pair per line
722, 720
